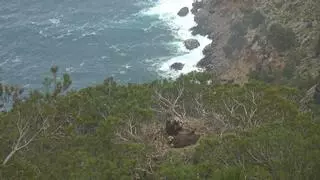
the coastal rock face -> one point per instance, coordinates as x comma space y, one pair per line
183, 11
191, 44
199, 30
208, 50
249, 36
206, 63
201, 16
205, 23
211, 35
196, 5
177, 66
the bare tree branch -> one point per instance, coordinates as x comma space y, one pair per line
170, 106
26, 134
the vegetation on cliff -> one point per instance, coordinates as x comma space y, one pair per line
266, 128
116, 131
276, 41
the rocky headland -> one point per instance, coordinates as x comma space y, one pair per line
259, 37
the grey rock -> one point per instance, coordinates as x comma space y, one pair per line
211, 35
201, 16
191, 44
209, 5
195, 6
202, 30
205, 22
183, 11
208, 50
206, 62
177, 66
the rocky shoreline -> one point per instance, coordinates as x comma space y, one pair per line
261, 36
202, 17
191, 43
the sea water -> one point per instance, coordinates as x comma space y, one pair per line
131, 40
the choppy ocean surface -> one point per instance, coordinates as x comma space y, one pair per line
131, 40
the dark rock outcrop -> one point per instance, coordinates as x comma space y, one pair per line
183, 11
206, 63
205, 23
184, 138
177, 66
195, 6
191, 44
201, 16
211, 36
199, 30
207, 50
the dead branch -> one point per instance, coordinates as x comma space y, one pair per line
128, 131
30, 127
25, 135
199, 105
242, 112
170, 106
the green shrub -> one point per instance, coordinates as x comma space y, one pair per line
263, 75
267, 137
293, 61
317, 46
236, 40
281, 38
257, 19
269, 152
254, 19
239, 28
289, 70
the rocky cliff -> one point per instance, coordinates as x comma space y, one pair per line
273, 39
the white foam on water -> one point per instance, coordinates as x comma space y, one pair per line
127, 66
70, 69
167, 11
16, 60
88, 34
54, 21
5, 62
